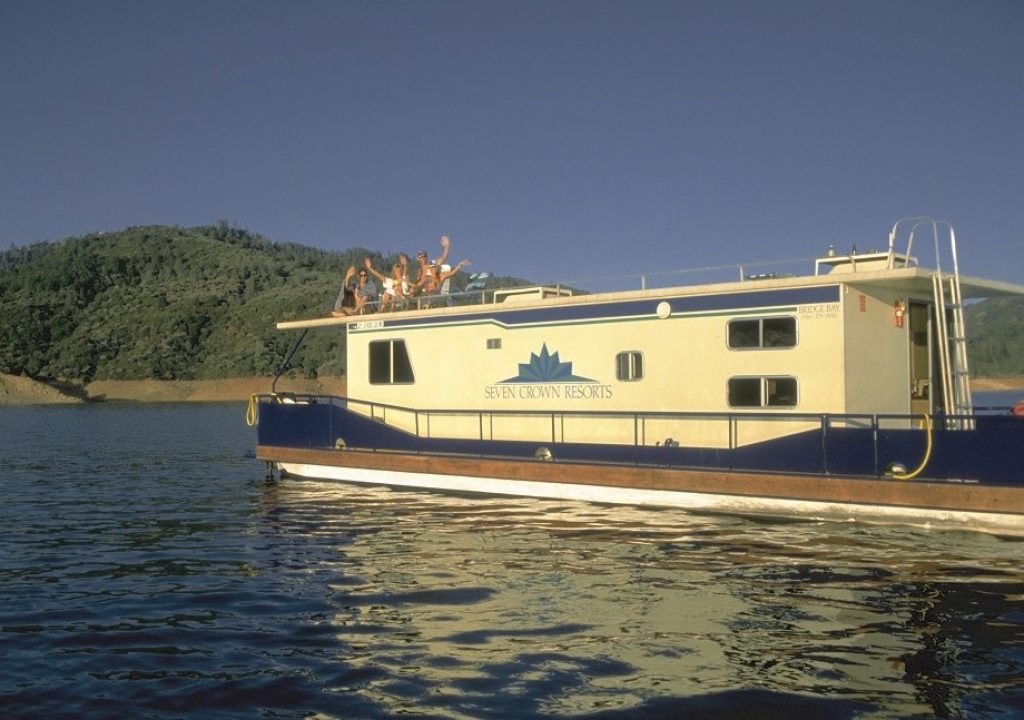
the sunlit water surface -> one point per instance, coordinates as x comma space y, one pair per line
148, 569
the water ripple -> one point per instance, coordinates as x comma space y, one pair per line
149, 570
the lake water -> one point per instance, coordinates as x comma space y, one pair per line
149, 570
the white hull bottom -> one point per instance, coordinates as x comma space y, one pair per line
997, 523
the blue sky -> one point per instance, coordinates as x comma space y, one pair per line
550, 140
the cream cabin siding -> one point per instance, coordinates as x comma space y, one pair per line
687, 365
877, 357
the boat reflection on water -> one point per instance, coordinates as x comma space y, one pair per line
463, 606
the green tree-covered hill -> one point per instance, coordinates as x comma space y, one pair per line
201, 303
168, 303
995, 337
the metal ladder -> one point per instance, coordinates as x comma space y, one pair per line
952, 342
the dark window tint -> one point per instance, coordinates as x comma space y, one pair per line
774, 332
778, 332
744, 333
389, 362
380, 362
762, 392
629, 365
745, 392
781, 392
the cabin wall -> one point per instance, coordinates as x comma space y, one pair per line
687, 364
481, 363
877, 356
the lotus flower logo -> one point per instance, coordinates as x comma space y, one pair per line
545, 367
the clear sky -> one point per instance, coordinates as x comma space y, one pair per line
550, 140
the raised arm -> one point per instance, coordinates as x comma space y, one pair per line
374, 271
446, 246
454, 271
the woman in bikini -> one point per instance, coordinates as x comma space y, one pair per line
394, 286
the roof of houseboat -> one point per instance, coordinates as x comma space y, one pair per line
842, 270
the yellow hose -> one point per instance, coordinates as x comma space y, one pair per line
252, 413
927, 454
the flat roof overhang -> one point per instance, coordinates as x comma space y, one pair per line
912, 280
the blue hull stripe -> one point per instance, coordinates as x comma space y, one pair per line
991, 454
625, 309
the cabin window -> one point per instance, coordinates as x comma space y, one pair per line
773, 332
389, 363
629, 365
762, 392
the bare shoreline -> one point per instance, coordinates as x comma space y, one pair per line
16, 390
997, 383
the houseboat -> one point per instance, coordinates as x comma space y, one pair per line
839, 393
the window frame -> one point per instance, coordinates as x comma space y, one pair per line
765, 396
392, 369
760, 320
634, 362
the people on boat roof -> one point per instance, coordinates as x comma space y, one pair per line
432, 280
360, 296
357, 297
345, 303
424, 261
396, 286
433, 276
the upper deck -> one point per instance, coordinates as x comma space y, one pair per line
854, 333
879, 269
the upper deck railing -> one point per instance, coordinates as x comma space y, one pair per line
660, 279
893, 254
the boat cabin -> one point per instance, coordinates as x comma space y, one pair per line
815, 395
858, 337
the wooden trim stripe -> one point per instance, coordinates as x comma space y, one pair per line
928, 495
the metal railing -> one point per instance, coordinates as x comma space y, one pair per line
420, 418
820, 443
742, 272
421, 423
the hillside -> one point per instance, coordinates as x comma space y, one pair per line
168, 303
159, 302
172, 303
995, 337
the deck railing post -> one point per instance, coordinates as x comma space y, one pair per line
824, 444
874, 443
